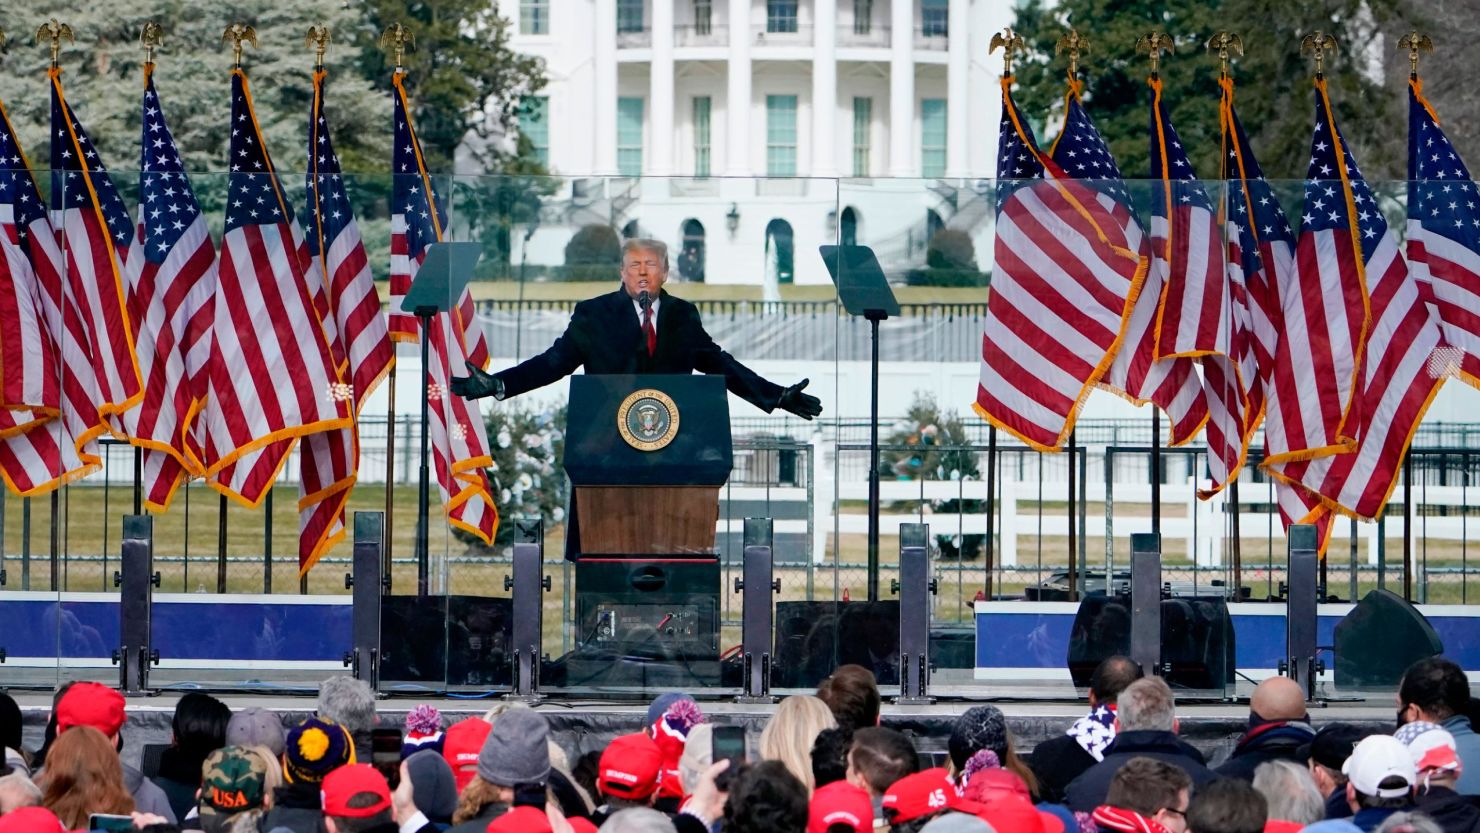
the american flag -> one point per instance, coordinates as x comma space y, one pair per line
1402, 364
32, 457
348, 305
1261, 259
1444, 232
408, 162
1324, 305
1196, 316
459, 441
1067, 266
1170, 384
272, 376
172, 284
100, 374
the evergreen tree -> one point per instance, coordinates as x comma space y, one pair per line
1275, 97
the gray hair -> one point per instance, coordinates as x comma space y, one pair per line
1290, 791
1409, 823
349, 702
1146, 704
646, 244
638, 820
17, 791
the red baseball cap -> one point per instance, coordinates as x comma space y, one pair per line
31, 820
348, 781
461, 744
840, 803
919, 795
630, 767
91, 704
522, 820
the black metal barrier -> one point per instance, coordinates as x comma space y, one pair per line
914, 587
1301, 663
756, 623
369, 582
136, 581
1146, 602
529, 584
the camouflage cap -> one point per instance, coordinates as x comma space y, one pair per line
234, 780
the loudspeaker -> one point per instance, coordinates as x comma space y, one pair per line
1197, 641
1379, 639
813, 638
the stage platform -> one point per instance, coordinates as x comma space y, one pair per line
580, 726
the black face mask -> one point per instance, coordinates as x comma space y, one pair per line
1402, 721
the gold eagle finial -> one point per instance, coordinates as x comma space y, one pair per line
1011, 43
1075, 44
54, 31
151, 38
1153, 44
236, 33
397, 39
1319, 43
1228, 45
318, 38
1415, 42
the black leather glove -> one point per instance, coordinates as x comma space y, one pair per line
477, 384
803, 405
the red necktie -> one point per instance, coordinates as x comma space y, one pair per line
647, 329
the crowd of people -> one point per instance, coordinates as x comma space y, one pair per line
822, 764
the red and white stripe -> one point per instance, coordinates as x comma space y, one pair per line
1449, 272
1065, 265
271, 377
170, 303
1195, 314
1313, 388
1170, 384
1403, 369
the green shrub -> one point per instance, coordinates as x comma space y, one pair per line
594, 244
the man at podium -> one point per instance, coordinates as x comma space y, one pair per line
638, 329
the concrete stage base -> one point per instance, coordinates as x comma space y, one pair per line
580, 726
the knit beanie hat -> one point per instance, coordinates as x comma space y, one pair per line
671, 732
315, 748
662, 702
432, 786
981, 727
423, 731
517, 750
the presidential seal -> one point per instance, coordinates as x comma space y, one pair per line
648, 419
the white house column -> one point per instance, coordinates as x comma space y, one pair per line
660, 91
957, 66
737, 98
902, 162
824, 89
605, 52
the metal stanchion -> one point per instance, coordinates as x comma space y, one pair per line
368, 583
1301, 663
529, 585
756, 612
1146, 601
915, 587
136, 581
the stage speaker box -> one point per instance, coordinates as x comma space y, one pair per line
457, 640
646, 623
1197, 642
1377, 641
813, 638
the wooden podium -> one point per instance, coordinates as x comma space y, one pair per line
646, 456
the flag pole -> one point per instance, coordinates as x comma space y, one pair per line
991, 505
1073, 516
1155, 471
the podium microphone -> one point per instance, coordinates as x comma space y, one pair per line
643, 300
